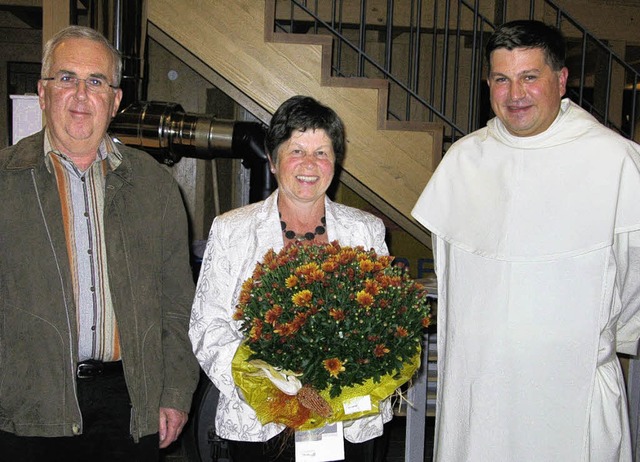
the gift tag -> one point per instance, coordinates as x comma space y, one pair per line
320, 444
357, 404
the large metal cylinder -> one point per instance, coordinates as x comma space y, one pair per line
168, 133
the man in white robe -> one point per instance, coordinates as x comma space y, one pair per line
536, 228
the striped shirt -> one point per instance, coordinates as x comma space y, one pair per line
82, 200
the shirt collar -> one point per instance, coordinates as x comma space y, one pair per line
107, 150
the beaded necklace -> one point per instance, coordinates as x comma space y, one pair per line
308, 236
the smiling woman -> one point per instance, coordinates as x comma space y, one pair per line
304, 142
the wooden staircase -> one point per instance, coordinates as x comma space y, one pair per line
387, 162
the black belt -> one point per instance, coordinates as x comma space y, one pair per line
93, 368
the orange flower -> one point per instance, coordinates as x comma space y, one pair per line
247, 285
245, 297
284, 330
270, 260
336, 314
272, 315
238, 314
346, 256
384, 262
315, 275
302, 298
298, 321
333, 248
371, 287
258, 272
256, 330
329, 266
426, 322
380, 350
304, 270
364, 298
334, 366
401, 332
291, 281
383, 279
366, 265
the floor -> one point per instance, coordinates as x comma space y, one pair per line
186, 449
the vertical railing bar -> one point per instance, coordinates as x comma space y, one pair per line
335, 43
634, 99
292, 20
445, 58
473, 65
333, 14
315, 18
583, 65
479, 82
607, 96
456, 68
362, 37
416, 53
416, 409
388, 49
340, 42
410, 56
388, 46
434, 52
532, 9
559, 17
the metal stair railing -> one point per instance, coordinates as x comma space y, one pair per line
431, 52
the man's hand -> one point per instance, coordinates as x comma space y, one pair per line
171, 423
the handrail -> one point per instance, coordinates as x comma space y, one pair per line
362, 55
446, 42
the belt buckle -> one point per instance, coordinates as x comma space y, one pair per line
88, 370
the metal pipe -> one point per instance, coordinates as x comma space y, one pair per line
168, 133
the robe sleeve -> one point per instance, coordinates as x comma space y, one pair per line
627, 248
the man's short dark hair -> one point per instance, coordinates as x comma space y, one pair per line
302, 113
529, 34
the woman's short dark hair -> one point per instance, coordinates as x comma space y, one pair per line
529, 34
303, 113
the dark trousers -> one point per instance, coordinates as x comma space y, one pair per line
106, 414
281, 448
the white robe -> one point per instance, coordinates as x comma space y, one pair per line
538, 258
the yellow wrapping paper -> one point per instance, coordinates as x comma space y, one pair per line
272, 405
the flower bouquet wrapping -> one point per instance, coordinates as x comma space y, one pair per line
330, 332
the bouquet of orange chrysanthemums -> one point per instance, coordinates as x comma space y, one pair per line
326, 327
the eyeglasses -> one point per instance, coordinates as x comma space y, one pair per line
65, 80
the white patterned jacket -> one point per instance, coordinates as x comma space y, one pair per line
237, 241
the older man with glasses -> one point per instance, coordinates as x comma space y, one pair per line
95, 283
